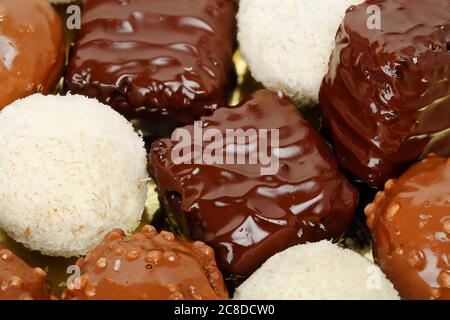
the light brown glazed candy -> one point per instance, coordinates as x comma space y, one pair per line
19, 281
410, 223
32, 48
148, 266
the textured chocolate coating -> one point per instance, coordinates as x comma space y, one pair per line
410, 223
18, 281
155, 61
31, 49
148, 266
386, 97
245, 216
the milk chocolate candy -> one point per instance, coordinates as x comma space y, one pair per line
32, 49
19, 281
410, 223
249, 210
158, 62
148, 266
386, 97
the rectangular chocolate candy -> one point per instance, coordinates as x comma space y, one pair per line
161, 63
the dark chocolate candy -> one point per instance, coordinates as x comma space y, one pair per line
148, 266
247, 216
158, 62
386, 97
19, 281
410, 223
32, 49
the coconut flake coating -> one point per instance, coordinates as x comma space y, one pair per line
19, 281
247, 215
317, 271
287, 44
148, 266
71, 170
410, 223
386, 97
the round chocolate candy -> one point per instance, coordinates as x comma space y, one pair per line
19, 281
32, 48
147, 266
410, 223
386, 98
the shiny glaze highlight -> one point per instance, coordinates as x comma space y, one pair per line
32, 49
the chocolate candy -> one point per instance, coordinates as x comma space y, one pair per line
410, 223
158, 62
245, 213
148, 266
18, 281
386, 97
32, 48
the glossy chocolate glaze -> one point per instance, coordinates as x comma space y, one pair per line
410, 223
245, 216
148, 266
18, 281
31, 49
386, 97
158, 62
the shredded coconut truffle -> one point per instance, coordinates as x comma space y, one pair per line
287, 44
71, 170
317, 271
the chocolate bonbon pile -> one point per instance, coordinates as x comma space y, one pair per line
210, 149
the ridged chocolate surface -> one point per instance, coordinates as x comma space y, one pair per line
410, 223
155, 61
386, 97
247, 216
